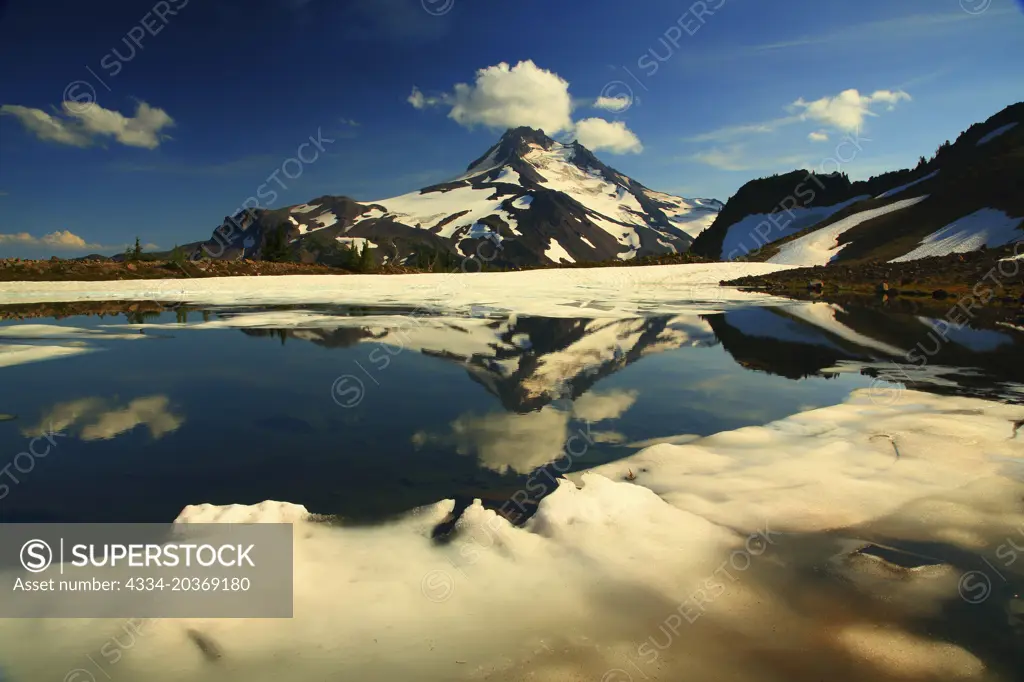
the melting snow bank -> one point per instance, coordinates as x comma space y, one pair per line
600, 292
988, 227
697, 569
896, 190
822, 245
996, 133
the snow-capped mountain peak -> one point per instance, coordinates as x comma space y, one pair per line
528, 200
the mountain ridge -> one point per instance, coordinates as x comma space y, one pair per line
968, 194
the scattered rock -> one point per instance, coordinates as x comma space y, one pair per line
211, 652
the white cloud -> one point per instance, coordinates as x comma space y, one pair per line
597, 407
523, 442
420, 101
847, 110
84, 128
508, 97
597, 134
613, 104
61, 239
100, 419
504, 96
503, 441
818, 136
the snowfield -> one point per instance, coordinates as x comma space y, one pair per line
896, 190
669, 575
755, 230
427, 210
987, 227
597, 292
996, 133
821, 246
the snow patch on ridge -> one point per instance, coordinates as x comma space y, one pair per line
757, 229
896, 190
996, 133
822, 245
988, 227
557, 253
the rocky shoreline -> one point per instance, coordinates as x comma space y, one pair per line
987, 283
58, 270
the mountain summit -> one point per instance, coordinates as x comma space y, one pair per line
529, 200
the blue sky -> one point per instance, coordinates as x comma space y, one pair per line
208, 102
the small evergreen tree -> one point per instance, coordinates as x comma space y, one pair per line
276, 249
137, 252
349, 257
177, 255
366, 262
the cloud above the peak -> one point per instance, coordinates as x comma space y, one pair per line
506, 96
597, 134
847, 110
77, 127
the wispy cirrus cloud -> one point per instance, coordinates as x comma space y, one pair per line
736, 157
732, 132
911, 25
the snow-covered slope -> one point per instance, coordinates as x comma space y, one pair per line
868, 220
996, 133
896, 190
821, 246
760, 229
558, 200
988, 227
528, 200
